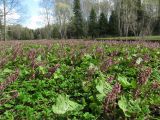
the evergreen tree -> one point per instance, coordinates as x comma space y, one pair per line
140, 16
10, 35
139, 11
78, 20
92, 30
157, 23
113, 24
70, 29
103, 25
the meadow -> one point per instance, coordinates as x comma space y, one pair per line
79, 80
133, 38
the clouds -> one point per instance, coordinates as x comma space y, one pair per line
13, 16
34, 22
36, 0
34, 19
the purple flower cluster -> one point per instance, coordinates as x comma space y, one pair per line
146, 57
143, 76
52, 70
13, 94
3, 62
155, 85
110, 79
32, 54
114, 53
142, 80
112, 96
13, 77
108, 63
17, 50
99, 51
33, 64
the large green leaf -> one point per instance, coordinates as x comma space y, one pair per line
39, 58
122, 103
102, 87
139, 60
156, 74
64, 105
129, 107
123, 81
7, 70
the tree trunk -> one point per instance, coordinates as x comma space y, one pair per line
4, 18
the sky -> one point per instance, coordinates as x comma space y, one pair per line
33, 17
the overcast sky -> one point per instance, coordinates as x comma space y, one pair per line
34, 19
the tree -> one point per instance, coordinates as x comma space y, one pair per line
103, 25
38, 34
158, 20
92, 24
8, 7
55, 32
63, 14
129, 12
78, 20
140, 12
157, 23
150, 9
128, 16
18, 32
4, 18
1, 27
71, 29
113, 24
86, 6
118, 8
47, 6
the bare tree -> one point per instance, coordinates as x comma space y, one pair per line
63, 12
136, 16
47, 12
8, 7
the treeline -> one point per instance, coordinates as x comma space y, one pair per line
18, 32
104, 19
11, 11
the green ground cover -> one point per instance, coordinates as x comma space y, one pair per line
76, 80
150, 38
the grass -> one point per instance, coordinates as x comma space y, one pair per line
149, 38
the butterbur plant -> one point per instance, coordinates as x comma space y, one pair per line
10, 79
108, 63
52, 70
112, 96
12, 95
99, 53
114, 53
146, 58
155, 85
144, 76
32, 54
13, 77
17, 51
142, 80
110, 79
3, 62
77, 80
